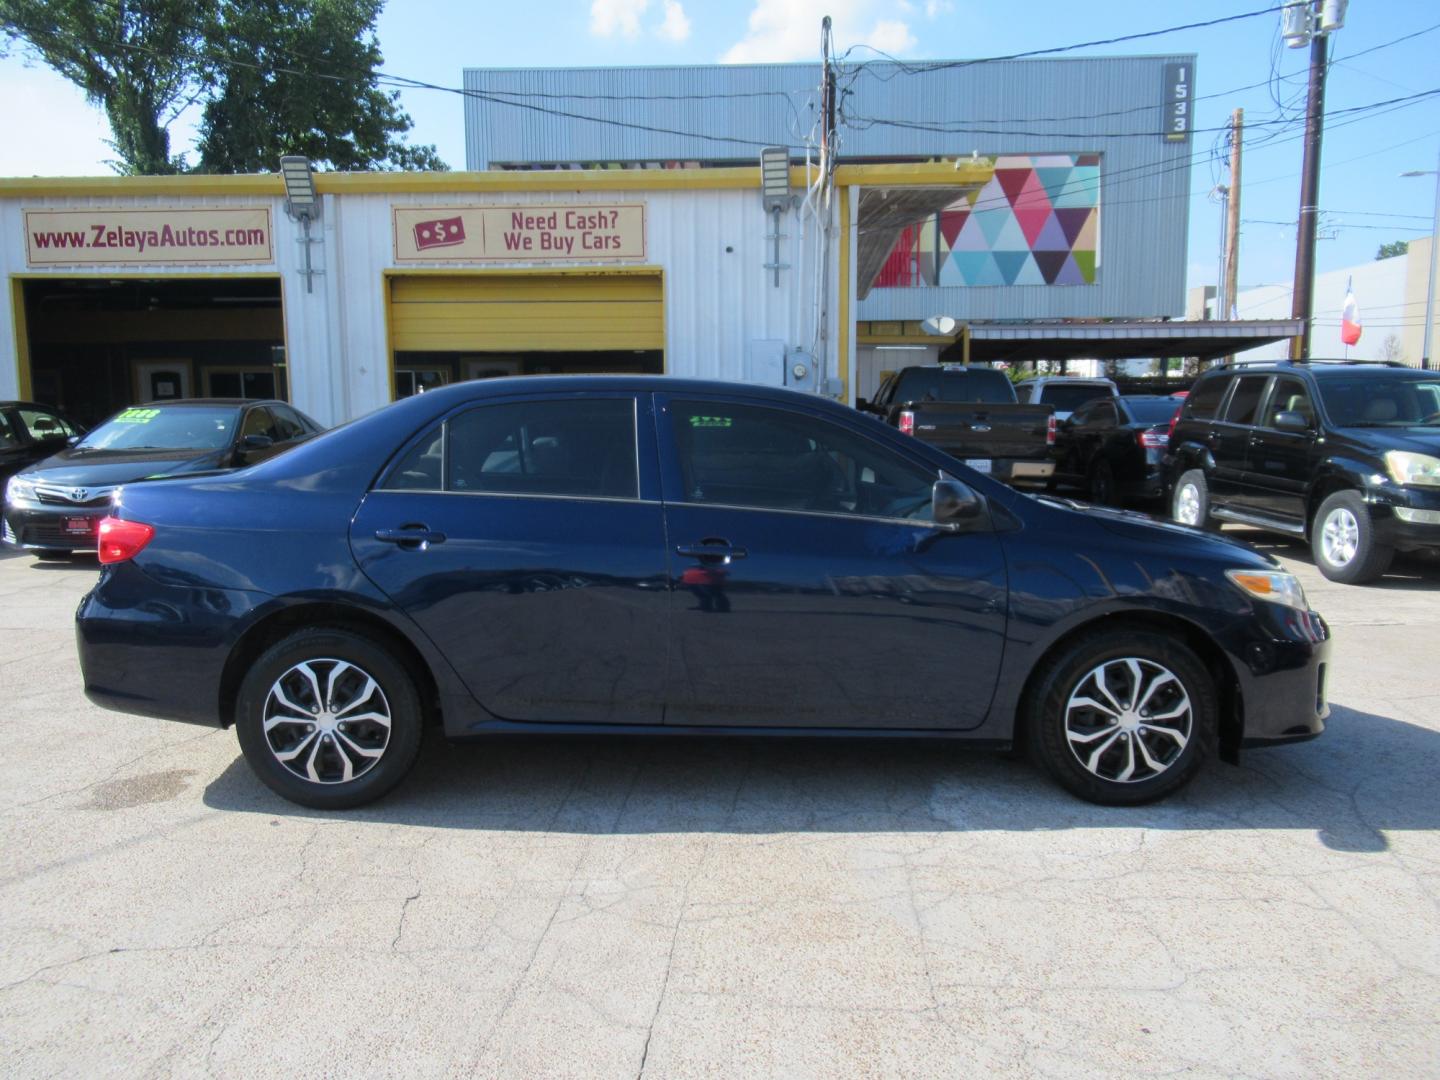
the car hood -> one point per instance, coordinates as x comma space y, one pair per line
1417, 440
1140, 527
95, 468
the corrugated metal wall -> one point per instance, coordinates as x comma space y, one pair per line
1110, 105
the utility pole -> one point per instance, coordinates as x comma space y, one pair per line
1232, 218
1309, 22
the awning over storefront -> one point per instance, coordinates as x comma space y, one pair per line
1117, 340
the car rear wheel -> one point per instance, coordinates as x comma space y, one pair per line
1343, 541
329, 719
1190, 504
1122, 718
1102, 484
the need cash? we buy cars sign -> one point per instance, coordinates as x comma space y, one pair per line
156, 237
534, 233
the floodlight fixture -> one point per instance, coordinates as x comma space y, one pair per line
775, 177
301, 200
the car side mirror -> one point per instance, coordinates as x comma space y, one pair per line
1291, 421
72, 440
256, 442
863, 404
954, 503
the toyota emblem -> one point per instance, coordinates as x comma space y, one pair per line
79, 494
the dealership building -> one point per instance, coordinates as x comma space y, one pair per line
1030, 209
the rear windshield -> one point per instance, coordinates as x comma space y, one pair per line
1402, 400
1067, 397
978, 385
187, 427
1152, 410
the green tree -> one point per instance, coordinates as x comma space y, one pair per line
1390, 250
273, 77
300, 77
136, 59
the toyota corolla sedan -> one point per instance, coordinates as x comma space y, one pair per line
54, 506
661, 556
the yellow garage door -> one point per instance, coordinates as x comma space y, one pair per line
527, 313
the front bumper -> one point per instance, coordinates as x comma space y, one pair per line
1421, 506
52, 528
1280, 667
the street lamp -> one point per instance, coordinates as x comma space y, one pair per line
1434, 245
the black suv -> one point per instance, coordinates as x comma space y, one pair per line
1345, 454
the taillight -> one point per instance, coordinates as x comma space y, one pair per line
907, 422
121, 540
1154, 439
1050, 428
1173, 421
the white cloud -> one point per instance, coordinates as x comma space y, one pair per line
891, 36
611, 17
676, 26
934, 8
790, 29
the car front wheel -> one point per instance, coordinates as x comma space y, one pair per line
1123, 717
1343, 541
329, 719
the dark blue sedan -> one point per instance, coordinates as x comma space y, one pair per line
655, 555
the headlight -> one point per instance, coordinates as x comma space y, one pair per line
1275, 586
18, 489
1408, 468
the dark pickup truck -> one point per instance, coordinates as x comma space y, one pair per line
971, 413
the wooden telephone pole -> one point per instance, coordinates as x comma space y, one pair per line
1232, 221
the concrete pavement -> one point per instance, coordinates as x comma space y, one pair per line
598, 908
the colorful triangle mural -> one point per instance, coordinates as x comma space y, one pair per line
1036, 223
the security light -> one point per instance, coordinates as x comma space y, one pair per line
301, 201
775, 177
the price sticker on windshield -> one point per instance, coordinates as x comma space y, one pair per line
137, 416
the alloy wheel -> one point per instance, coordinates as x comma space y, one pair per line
327, 721
1187, 505
1340, 537
1128, 720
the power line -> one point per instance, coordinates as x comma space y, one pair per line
946, 65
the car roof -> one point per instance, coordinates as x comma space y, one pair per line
182, 402
1320, 368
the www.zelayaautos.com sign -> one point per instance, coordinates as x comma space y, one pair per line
149, 237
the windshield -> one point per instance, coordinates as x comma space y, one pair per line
1152, 410
1067, 397
1407, 400
187, 427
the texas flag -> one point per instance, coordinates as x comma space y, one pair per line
1350, 318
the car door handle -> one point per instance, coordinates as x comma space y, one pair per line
411, 537
711, 548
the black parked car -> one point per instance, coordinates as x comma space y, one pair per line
1345, 454
673, 557
31, 433
52, 507
1113, 448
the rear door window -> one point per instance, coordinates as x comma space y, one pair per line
571, 447
1246, 399
287, 424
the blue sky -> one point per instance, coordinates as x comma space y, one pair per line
55, 133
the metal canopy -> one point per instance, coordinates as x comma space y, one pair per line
1120, 340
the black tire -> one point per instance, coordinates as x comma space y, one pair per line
1348, 518
1070, 671
1102, 484
1192, 479
398, 697
53, 556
